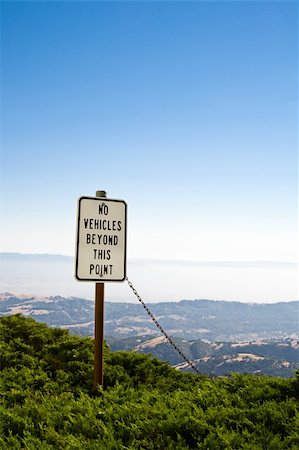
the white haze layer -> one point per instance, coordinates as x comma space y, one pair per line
155, 280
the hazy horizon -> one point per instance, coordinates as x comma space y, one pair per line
50, 275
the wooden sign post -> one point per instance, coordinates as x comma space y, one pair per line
101, 256
98, 372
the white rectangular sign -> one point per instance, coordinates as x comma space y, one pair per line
101, 239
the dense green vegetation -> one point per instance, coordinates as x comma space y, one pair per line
48, 402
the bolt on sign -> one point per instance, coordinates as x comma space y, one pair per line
101, 239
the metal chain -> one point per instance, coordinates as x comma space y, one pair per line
190, 363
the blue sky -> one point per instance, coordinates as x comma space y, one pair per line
186, 110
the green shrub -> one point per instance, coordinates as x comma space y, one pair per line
48, 401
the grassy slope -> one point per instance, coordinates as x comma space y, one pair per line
48, 403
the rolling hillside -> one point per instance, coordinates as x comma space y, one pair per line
188, 319
268, 357
219, 337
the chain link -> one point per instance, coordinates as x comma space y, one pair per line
179, 351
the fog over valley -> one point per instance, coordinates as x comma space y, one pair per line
156, 280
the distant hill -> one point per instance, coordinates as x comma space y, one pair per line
268, 357
188, 319
219, 337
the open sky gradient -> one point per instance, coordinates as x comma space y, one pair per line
186, 110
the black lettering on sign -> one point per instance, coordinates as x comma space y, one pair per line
92, 224
100, 269
101, 254
103, 209
88, 238
107, 239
